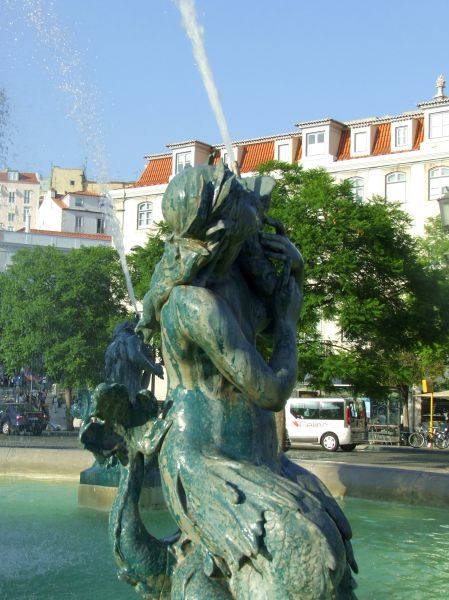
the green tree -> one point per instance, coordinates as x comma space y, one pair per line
363, 273
58, 310
143, 259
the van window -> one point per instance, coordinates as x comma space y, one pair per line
314, 409
331, 411
305, 410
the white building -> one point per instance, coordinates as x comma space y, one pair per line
12, 241
75, 212
403, 157
19, 199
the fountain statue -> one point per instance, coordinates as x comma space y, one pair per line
252, 525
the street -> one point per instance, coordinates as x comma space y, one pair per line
387, 456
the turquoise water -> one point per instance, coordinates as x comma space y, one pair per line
52, 550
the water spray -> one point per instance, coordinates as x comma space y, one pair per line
195, 34
68, 78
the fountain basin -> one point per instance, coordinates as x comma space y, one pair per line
51, 548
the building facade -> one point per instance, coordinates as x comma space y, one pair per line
19, 199
66, 180
404, 158
12, 241
76, 212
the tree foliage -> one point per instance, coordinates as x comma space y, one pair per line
58, 310
143, 260
363, 272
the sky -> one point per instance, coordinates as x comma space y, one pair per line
101, 84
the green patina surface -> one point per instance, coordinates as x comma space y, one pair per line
252, 525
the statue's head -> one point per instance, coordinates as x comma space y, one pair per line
209, 204
125, 327
212, 214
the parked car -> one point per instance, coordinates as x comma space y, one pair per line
20, 418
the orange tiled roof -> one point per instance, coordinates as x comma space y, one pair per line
157, 171
256, 154
298, 153
419, 137
382, 140
89, 236
59, 202
344, 148
23, 177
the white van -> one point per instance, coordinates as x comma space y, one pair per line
332, 422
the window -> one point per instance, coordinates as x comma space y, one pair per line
439, 125
27, 197
283, 152
11, 217
395, 187
358, 188
183, 160
438, 182
13, 176
78, 224
314, 409
400, 136
144, 215
360, 144
315, 143
26, 212
79, 201
12, 197
72, 182
100, 225
332, 411
10, 228
305, 409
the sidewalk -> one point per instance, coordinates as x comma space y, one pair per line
57, 415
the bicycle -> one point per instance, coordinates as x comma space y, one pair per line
422, 436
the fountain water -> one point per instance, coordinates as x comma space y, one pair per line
36, 562
195, 34
4, 114
69, 79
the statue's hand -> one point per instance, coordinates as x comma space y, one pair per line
159, 371
287, 301
279, 247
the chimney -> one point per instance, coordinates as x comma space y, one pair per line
440, 85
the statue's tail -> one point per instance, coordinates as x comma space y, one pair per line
143, 560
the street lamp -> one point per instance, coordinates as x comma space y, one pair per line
444, 209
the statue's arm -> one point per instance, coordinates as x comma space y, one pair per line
206, 320
138, 358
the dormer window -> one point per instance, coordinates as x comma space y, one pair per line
79, 202
315, 143
360, 143
283, 152
183, 160
13, 176
400, 136
362, 139
439, 124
